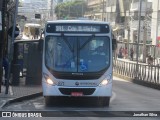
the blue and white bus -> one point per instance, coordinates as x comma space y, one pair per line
77, 60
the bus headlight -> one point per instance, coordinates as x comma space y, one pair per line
48, 79
106, 81
103, 83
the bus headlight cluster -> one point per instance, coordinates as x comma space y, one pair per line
106, 81
103, 83
48, 79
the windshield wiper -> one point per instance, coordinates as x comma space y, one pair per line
89, 39
68, 44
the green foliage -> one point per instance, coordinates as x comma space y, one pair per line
71, 9
20, 3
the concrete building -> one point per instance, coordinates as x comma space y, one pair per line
117, 13
145, 20
155, 28
155, 32
31, 7
96, 10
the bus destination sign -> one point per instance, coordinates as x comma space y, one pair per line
77, 28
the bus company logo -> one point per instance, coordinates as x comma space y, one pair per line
77, 73
76, 83
6, 114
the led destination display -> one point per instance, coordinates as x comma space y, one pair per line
76, 28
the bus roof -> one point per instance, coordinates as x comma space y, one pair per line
78, 21
32, 25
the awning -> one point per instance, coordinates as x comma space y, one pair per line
117, 28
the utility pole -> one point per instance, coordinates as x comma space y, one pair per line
69, 12
102, 10
128, 39
126, 24
51, 11
82, 10
128, 28
12, 45
145, 34
138, 39
1, 44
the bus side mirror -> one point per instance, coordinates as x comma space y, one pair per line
40, 44
114, 44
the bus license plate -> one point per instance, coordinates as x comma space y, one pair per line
76, 94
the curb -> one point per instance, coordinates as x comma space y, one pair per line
22, 98
139, 82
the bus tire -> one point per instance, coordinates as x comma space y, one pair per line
103, 101
48, 100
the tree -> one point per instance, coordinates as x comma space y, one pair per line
71, 9
20, 3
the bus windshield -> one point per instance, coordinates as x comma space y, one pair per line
77, 54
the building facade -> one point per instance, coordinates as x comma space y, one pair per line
96, 10
145, 20
30, 8
155, 22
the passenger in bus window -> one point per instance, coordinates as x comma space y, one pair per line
101, 50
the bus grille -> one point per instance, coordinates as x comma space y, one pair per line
85, 91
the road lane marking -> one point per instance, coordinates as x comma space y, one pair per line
10, 90
113, 96
119, 79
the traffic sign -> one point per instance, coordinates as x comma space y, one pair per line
11, 30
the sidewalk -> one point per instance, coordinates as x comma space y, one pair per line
134, 61
24, 37
128, 60
19, 93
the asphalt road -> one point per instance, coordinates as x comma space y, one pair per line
126, 96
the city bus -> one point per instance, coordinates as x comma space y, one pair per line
77, 60
30, 30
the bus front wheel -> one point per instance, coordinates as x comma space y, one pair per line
49, 100
103, 101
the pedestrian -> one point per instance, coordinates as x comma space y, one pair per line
125, 53
36, 33
150, 60
32, 34
120, 53
131, 53
5, 66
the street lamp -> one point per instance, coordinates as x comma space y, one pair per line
138, 38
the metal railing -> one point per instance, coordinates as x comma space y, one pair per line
152, 50
146, 73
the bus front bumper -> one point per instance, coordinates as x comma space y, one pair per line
98, 91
